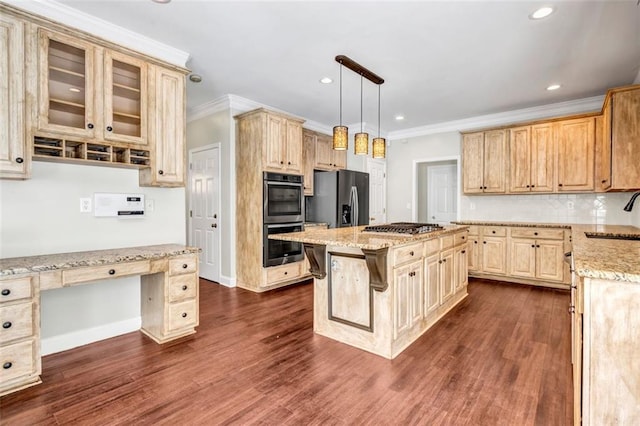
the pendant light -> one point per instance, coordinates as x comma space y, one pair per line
379, 145
340, 133
361, 146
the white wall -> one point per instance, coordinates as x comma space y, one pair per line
564, 208
42, 215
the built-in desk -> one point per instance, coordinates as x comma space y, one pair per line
169, 298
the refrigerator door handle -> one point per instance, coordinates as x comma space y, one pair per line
354, 206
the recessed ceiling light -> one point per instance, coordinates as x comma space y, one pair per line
196, 78
543, 12
326, 80
74, 89
161, 1
399, 117
553, 87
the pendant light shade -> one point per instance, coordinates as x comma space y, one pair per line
361, 140
340, 133
379, 145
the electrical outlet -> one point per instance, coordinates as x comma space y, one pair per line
569, 205
149, 205
85, 205
472, 206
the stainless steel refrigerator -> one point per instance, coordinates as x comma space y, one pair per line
341, 198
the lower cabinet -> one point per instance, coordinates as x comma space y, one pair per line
408, 297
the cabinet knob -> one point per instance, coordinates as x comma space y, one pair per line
286, 272
439, 261
475, 242
7, 365
184, 266
444, 260
462, 238
463, 251
528, 186
411, 253
480, 187
282, 162
533, 186
533, 245
6, 324
559, 184
5, 292
604, 181
19, 160
184, 315
537, 245
109, 129
112, 271
484, 242
160, 172
90, 126
484, 187
184, 288
493, 232
289, 163
535, 233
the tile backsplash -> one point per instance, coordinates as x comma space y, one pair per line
557, 208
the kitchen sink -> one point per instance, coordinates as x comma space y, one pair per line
610, 236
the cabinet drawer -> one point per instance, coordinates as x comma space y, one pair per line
494, 231
407, 253
538, 233
16, 288
182, 314
284, 272
16, 321
93, 273
182, 287
17, 360
460, 238
184, 265
431, 246
446, 242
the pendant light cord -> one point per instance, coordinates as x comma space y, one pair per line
361, 79
340, 94
378, 111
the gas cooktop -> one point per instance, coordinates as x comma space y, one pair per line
403, 228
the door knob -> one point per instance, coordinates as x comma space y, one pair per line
214, 225
372, 218
215, 216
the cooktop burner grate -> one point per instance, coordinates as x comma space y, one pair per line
404, 228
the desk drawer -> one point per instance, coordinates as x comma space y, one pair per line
103, 272
17, 360
538, 233
407, 253
182, 314
16, 288
184, 265
460, 238
16, 321
182, 287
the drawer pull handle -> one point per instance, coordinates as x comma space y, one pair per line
184, 315
484, 242
90, 126
462, 237
160, 172
19, 160
112, 271
493, 232
7, 365
6, 292
184, 287
411, 253
109, 129
6, 324
286, 272
464, 251
184, 266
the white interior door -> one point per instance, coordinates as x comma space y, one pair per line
442, 183
377, 170
204, 209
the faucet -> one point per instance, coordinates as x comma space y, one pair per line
629, 205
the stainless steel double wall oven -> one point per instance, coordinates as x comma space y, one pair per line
283, 211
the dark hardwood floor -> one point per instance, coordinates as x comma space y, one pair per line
500, 358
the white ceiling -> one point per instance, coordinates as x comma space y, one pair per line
441, 61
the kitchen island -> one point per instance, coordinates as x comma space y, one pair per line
380, 292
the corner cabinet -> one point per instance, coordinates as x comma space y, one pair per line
167, 129
14, 156
484, 162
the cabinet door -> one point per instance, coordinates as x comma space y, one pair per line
324, 156
432, 283
495, 151
625, 140
274, 144
550, 260
576, 149
125, 98
472, 162
14, 159
461, 272
66, 86
401, 302
474, 254
446, 275
520, 150
167, 126
494, 255
415, 290
308, 160
542, 158
293, 147
339, 158
522, 256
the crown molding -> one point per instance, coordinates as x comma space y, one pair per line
503, 118
99, 27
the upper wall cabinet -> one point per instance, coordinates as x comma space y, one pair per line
531, 151
282, 148
318, 154
14, 156
484, 162
89, 91
619, 153
576, 153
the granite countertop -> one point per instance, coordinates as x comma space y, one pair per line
522, 224
49, 262
354, 237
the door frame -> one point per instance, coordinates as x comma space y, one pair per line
216, 145
368, 164
414, 194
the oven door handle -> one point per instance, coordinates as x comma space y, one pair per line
272, 183
284, 225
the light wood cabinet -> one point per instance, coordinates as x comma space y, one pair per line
282, 150
308, 160
484, 162
432, 283
461, 273
407, 297
619, 142
494, 254
15, 157
539, 259
532, 154
576, 152
320, 155
167, 129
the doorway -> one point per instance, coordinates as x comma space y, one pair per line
377, 170
204, 208
436, 195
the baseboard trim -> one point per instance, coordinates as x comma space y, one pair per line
67, 341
